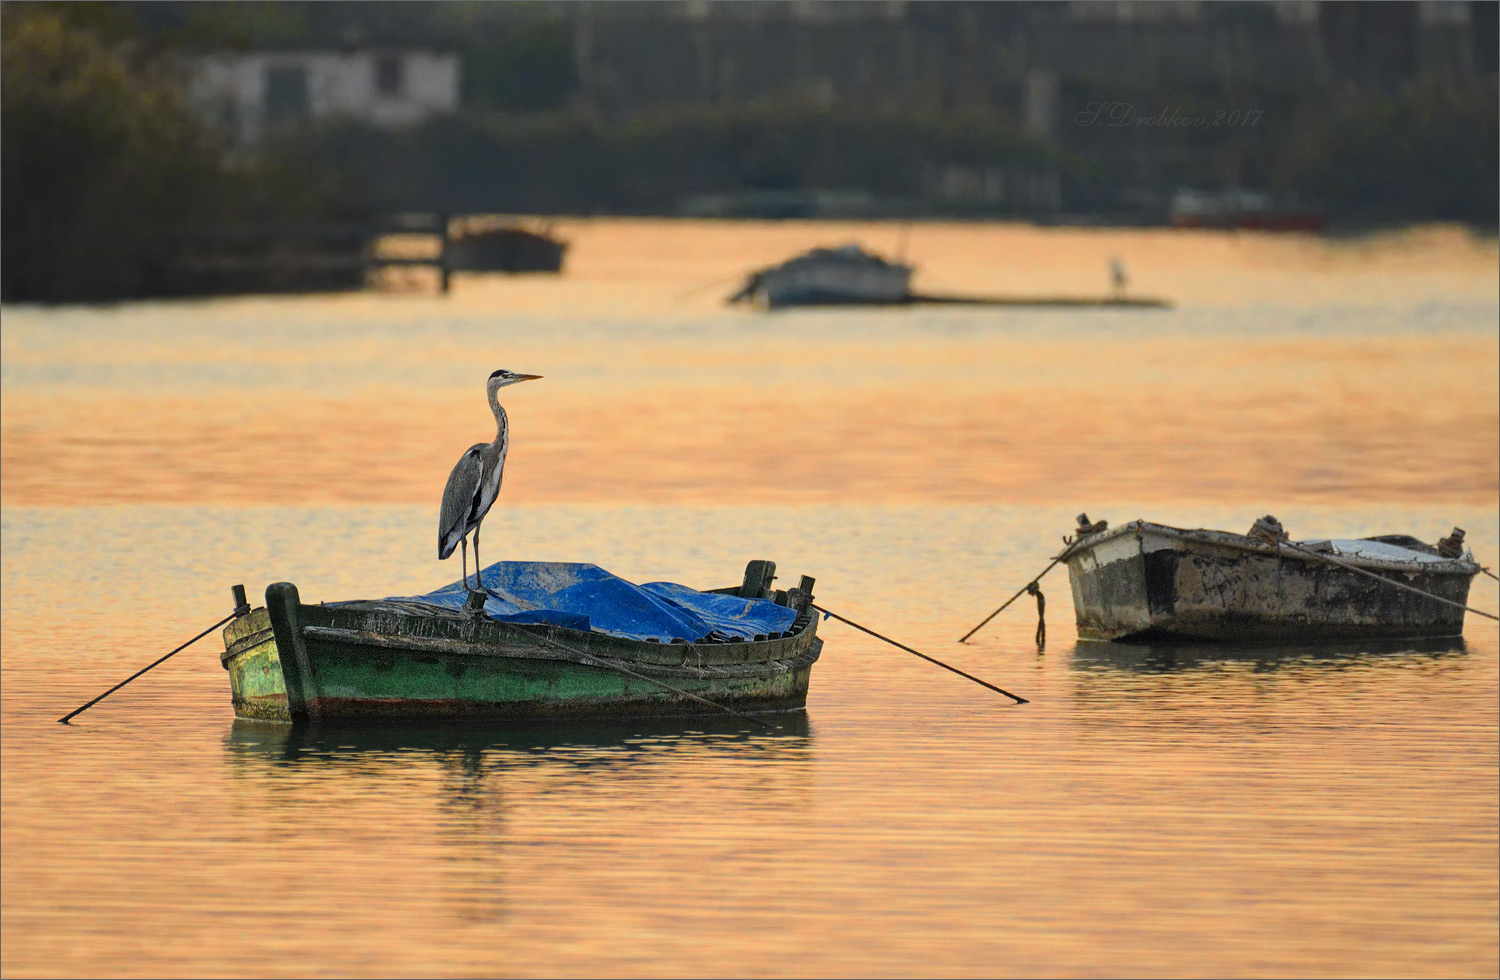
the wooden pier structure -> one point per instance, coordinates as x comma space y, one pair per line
1103, 302
339, 256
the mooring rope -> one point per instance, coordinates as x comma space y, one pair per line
594, 661
1041, 616
64, 719
1489, 573
1381, 578
1029, 587
932, 660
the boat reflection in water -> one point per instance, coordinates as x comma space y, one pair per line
483, 808
1167, 656
598, 744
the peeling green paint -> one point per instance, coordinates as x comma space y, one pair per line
374, 663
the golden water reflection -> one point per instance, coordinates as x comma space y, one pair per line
1302, 812
1311, 371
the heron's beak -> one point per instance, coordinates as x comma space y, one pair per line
524, 377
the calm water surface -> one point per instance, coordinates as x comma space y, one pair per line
1187, 811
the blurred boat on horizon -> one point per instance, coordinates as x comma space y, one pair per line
477, 246
847, 274
1239, 209
852, 276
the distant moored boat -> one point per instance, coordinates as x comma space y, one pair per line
1144, 581
508, 248
824, 276
1239, 209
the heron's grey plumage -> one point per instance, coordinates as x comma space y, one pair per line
475, 481
459, 499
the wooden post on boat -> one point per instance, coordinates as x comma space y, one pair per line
759, 574
445, 270
283, 604
801, 597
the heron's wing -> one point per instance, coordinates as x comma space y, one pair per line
459, 495
492, 461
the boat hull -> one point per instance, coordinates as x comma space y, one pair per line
1144, 582
290, 661
1253, 222
506, 250
834, 284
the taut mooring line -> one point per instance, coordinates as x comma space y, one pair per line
1381, 578
64, 719
1028, 587
932, 660
709, 284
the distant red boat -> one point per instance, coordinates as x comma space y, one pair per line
508, 248
1248, 210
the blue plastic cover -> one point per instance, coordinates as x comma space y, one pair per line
586, 597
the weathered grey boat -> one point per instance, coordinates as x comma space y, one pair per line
828, 276
1145, 581
291, 661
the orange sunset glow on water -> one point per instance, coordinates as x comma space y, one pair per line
1304, 812
1236, 391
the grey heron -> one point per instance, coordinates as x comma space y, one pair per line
475, 481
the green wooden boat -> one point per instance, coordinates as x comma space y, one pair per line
294, 661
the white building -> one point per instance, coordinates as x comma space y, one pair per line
252, 92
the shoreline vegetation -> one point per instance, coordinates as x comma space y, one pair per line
108, 175
112, 184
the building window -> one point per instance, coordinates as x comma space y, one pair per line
388, 75
286, 94
227, 116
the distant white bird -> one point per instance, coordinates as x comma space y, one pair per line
1118, 276
475, 482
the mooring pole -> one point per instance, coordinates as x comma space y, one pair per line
445, 269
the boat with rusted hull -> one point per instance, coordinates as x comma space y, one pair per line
293, 661
1143, 581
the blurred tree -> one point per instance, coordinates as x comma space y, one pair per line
1429, 152
235, 24
528, 68
111, 23
101, 159
564, 163
106, 173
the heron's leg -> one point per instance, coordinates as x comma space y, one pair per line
478, 568
464, 544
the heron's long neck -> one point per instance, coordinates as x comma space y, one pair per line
502, 424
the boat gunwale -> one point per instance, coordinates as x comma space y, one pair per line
249, 641
482, 636
304, 634
422, 644
1240, 542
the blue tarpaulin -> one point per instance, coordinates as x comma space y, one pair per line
586, 597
